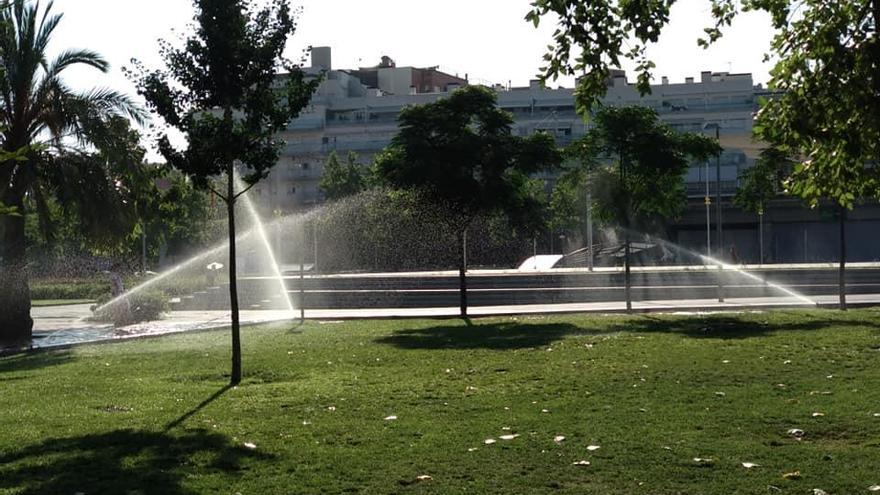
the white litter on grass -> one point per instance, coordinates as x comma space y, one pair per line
819, 491
704, 461
390, 418
250, 445
472, 449
796, 432
508, 437
580, 463
877, 415
874, 488
750, 465
424, 477
726, 361
559, 439
591, 448
544, 411
818, 414
489, 441
720, 394
331, 408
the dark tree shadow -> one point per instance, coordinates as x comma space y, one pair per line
516, 335
500, 336
726, 326
121, 461
33, 360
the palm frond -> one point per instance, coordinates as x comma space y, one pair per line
68, 58
48, 23
108, 102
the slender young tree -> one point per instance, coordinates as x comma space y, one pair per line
37, 112
229, 91
649, 161
459, 152
761, 183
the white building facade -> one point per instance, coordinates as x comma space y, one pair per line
356, 111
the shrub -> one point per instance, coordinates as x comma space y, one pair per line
135, 308
73, 289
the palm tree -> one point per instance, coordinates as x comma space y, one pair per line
38, 113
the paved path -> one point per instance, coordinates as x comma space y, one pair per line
64, 325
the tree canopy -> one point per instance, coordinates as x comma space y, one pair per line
650, 159
763, 181
460, 152
342, 179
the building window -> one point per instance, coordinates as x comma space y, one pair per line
305, 166
292, 191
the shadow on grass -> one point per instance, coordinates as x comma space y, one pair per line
216, 395
121, 461
500, 336
517, 335
727, 326
33, 360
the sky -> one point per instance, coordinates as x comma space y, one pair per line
487, 39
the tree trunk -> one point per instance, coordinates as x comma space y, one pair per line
235, 376
841, 276
15, 296
462, 277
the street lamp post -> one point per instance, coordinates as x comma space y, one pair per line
589, 228
761, 234
720, 240
708, 201
719, 246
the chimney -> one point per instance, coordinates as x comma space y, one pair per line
706, 76
534, 84
689, 80
321, 58
664, 80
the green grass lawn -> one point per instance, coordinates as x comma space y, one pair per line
58, 302
653, 392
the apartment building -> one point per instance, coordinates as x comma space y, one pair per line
356, 111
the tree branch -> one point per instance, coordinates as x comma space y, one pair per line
248, 188
210, 188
